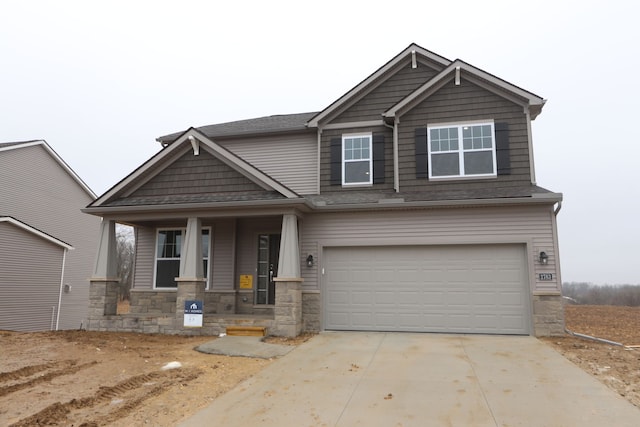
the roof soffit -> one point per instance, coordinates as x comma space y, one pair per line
488, 81
424, 57
183, 144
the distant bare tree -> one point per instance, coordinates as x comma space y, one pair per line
591, 294
125, 240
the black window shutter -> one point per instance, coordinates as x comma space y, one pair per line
422, 155
378, 158
336, 161
503, 157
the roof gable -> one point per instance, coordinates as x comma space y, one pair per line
458, 70
375, 79
154, 174
6, 146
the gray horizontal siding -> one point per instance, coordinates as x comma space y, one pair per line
289, 159
30, 272
532, 225
37, 190
462, 103
388, 93
221, 266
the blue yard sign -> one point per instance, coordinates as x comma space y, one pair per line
193, 314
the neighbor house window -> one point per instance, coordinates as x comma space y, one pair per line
357, 167
168, 250
465, 150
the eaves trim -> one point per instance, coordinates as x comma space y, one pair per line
519, 95
56, 157
314, 122
35, 231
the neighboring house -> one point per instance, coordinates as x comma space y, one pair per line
47, 245
408, 204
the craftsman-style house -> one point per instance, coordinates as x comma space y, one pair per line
408, 204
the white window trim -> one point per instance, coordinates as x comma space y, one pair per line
155, 256
461, 151
368, 135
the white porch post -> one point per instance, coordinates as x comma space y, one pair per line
288, 309
191, 257
191, 282
103, 287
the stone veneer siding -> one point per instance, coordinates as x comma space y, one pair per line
548, 315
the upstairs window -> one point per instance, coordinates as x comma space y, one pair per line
464, 150
168, 251
357, 165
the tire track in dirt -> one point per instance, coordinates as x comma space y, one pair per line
109, 403
67, 367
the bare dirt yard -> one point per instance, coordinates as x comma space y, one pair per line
79, 378
616, 366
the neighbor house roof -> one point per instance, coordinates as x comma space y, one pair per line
6, 146
269, 124
33, 230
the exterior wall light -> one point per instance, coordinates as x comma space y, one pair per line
310, 261
544, 258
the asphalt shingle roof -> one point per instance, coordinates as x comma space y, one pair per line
268, 124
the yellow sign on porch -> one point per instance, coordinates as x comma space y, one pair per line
246, 281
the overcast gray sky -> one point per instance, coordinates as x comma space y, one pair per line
100, 80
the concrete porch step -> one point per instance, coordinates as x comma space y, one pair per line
246, 331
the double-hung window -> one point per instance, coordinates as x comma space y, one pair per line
168, 249
357, 165
464, 150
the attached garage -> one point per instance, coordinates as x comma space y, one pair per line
451, 289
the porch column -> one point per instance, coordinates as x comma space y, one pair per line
288, 309
103, 288
191, 282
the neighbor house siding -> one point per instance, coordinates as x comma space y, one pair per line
29, 302
390, 92
292, 160
530, 225
460, 104
38, 191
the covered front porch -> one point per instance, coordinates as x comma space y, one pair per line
244, 270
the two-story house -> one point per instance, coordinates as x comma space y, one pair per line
408, 204
47, 245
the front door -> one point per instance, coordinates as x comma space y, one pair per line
268, 254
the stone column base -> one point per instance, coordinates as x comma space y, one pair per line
188, 290
288, 310
103, 300
548, 315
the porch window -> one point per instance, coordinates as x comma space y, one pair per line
168, 250
465, 150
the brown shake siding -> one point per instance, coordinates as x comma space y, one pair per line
396, 87
466, 102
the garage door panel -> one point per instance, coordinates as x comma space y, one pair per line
468, 289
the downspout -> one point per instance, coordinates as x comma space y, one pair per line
396, 173
64, 259
318, 162
557, 209
532, 166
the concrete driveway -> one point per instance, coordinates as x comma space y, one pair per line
400, 379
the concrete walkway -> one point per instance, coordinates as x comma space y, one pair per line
398, 379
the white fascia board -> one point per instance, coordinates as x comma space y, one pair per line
35, 231
315, 121
57, 158
533, 101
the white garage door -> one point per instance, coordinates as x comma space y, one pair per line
459, 289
